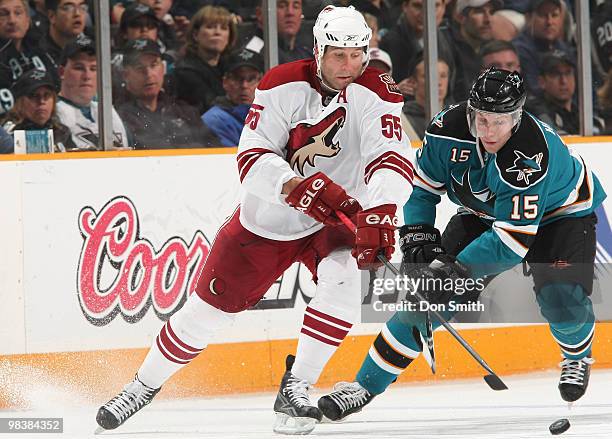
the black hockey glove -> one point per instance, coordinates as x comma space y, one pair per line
440, 280
420, 244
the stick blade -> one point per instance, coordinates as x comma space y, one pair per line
495, 382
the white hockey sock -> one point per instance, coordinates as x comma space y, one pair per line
319, 338
181, 339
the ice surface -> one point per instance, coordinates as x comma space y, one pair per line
450, 410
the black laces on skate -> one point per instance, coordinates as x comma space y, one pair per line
297, 391
573, 371
349, 395
131, 399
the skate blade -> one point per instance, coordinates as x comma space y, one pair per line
99, 430
286, 424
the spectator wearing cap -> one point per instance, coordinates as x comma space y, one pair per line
67, 19
472, 30
156, 119
197, 77
404, 41
500, 54
76, 107
19, 51
226, 117
34, 109
288, 22
139, 21
556, 107
414, 110
543, 32
381, 60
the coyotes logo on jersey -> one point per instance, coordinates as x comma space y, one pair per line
308, 141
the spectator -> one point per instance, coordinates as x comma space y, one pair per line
415, 109
601, 30
605, 100
543, 33
404, 41
381, 60
34, 109
155, 119
289, 22
76, 107
6, 142
372, 22
67, 19
556, 107
474, 29
198, 76
19, 51
226, 117
500, 54
173, 29
379, 9
137, 22
38, 16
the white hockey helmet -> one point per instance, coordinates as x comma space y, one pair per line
340, 27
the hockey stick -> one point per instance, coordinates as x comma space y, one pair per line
492, 379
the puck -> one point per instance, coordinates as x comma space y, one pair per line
559, 426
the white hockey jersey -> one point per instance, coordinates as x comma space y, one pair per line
83, 124
356, 139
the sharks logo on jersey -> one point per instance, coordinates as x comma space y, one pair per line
525, 167
480, 202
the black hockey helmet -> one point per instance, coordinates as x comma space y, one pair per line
498, 91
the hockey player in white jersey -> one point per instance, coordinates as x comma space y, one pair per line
322, 136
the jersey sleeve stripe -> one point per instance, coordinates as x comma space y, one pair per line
510, 241
393, 161
423, 184
247, 159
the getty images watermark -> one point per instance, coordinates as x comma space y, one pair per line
385, 294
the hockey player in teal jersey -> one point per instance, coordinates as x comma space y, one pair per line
523, 196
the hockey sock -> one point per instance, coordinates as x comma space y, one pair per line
569, 312
181, 339
393, 350
319, 338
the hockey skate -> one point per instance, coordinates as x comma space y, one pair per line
574, 378
346, 399
295, 414
132, 398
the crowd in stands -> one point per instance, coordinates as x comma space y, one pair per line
184, 72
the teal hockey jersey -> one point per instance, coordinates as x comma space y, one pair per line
534, 179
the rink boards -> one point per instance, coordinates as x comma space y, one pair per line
98, 250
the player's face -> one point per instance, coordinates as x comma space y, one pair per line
79, 77
240, 85
14, 19
38, 106
506, 59
341, 65
493, 130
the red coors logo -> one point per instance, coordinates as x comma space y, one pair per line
121, 272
